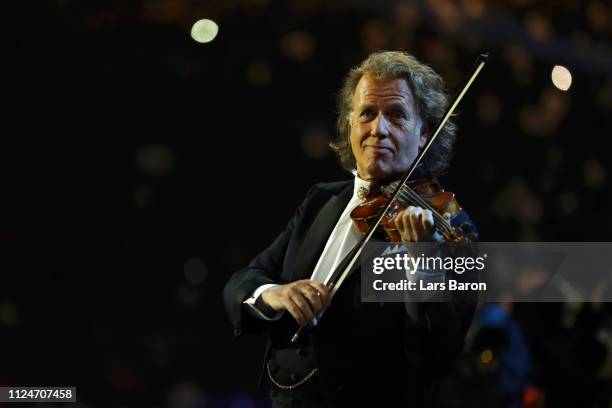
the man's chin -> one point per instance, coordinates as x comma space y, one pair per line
379, 173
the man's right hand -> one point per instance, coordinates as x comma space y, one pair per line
304, 299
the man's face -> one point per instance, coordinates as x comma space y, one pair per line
385, 128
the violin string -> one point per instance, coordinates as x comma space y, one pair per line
443, 222
411, 196
417, 199
406, 193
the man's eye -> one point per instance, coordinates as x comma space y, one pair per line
367, 113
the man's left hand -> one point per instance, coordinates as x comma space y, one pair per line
416, 224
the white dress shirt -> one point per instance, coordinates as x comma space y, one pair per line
343, 238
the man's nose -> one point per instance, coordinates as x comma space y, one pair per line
380, 126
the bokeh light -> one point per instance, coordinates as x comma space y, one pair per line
204, 31
155, 160
561, 77
486, 356
298, 45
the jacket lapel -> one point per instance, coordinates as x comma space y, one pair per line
318, 234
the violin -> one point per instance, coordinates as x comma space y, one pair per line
425, 192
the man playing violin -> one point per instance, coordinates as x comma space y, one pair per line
359, 354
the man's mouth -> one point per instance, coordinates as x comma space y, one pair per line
379, 149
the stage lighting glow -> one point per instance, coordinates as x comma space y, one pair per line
561, 77
487, 356
204, 30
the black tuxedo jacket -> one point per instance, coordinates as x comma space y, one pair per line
365, 352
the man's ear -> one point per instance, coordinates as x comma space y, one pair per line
424, 134
423, 139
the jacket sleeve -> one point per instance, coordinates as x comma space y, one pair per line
448, 322
265, 268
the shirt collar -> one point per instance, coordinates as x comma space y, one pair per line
365, 185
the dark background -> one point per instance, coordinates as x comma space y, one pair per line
141, 168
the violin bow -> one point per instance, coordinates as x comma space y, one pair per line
346, 266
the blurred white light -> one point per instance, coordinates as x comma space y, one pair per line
204, 31
561, 77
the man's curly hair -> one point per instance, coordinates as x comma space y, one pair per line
429, 96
